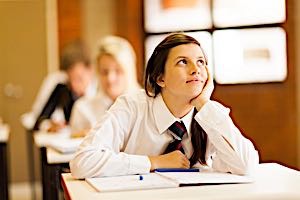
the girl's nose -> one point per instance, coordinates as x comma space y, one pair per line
111, 76
194, 69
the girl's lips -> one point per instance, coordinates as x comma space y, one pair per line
192, 80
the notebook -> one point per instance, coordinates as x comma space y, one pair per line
130, 182
204, 178
163, 180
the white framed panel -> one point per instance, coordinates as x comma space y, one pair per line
250, 55
176, 15
204, 38
228, 13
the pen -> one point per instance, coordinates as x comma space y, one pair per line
176, 170
141, 178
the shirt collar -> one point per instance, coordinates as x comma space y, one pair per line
187, 120
164, 118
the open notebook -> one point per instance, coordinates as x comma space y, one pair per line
163, 180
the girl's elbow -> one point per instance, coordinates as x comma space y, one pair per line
250, 165
77, 169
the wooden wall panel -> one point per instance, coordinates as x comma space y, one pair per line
129, 24
69, 21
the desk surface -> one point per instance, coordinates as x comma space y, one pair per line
272, 181
44, 139
54, 157
4, 132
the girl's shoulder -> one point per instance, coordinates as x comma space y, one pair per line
136, 96
136, 100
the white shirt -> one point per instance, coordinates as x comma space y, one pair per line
136, 127
87, 111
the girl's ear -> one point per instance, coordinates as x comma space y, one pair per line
160, 81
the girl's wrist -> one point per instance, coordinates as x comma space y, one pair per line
153, 162
201, 103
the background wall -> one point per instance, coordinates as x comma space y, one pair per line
98, 20
296, 55
22, 66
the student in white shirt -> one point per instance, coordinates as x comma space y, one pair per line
74, 61
132, 136
116, 65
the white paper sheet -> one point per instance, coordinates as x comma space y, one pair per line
130, 182
193, 178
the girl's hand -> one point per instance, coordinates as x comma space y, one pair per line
175, 159
79, 134
55, 127
206, 93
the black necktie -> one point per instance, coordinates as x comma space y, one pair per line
178, 129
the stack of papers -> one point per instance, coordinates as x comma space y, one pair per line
163, 180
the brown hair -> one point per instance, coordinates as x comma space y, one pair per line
155, 68
74, 52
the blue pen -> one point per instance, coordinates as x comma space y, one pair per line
176, 170
141, 178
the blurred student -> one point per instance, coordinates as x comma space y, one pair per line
116, 67
172, 124
75, 62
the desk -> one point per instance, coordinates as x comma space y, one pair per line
272, 181
4, 135
52, 163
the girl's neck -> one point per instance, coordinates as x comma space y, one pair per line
179, 107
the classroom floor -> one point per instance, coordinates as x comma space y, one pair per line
22, 191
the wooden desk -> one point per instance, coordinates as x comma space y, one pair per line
272, 181
52, 163
4, 135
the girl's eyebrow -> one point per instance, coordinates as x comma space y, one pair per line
179, 57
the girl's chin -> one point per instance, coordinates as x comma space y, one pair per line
196, 93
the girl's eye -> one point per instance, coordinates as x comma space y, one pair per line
201, 62
182, 61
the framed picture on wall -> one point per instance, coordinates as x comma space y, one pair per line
204, 38
229, 13
176, 15
250, 55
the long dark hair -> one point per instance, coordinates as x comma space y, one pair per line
155, 68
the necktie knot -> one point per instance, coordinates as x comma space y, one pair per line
178, 128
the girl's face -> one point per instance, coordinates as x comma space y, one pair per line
112, 76
185, 72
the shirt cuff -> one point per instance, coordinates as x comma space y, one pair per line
139, 164
212, 110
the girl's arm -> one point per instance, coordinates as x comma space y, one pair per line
234, 152
101, 154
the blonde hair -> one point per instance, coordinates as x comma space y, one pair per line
121, 50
